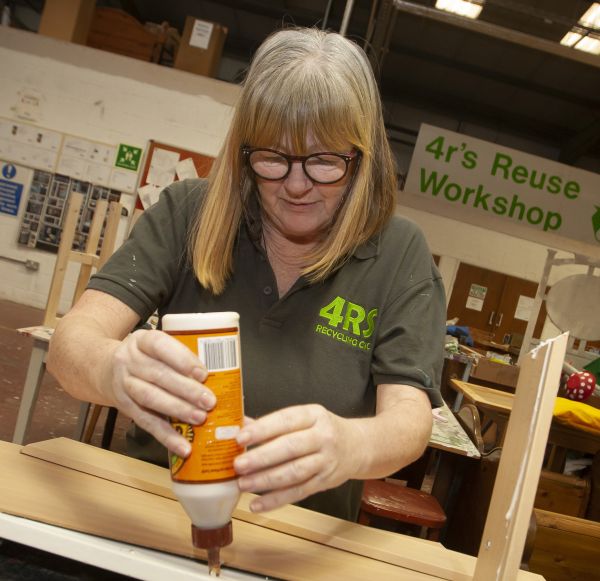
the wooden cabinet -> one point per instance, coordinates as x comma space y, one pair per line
493, 302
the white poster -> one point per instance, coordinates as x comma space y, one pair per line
524, 308
201, 34
162, 167
186, 169
474, 304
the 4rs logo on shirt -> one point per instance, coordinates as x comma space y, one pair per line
347, 322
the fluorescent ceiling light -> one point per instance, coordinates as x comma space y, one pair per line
591, 18
583, 39
468, 8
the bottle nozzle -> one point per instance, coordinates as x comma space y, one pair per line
212, 540
214, 561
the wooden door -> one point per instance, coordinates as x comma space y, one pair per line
475, 297
514, 309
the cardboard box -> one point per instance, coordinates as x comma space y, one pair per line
68, 20
499, 374
201, 47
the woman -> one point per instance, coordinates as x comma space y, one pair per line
342, 311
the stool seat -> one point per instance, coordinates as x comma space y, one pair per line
400, 503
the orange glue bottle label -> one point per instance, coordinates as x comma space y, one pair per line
214, 446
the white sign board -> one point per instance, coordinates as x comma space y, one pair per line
474, 180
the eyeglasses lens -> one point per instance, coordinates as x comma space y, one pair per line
323, 168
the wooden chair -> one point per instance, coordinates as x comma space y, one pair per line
88, 260
396, 503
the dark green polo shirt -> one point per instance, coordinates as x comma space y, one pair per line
378, 319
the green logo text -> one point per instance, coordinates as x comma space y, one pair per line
356, 323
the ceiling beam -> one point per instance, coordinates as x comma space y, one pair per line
496, 76
500, 32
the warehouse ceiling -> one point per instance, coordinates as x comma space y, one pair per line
506, 70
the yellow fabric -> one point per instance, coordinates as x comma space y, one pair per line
577, 415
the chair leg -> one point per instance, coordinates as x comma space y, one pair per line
89, 431
109, 427
363, 518
33, 380
82, 418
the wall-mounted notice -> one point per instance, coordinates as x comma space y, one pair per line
201, 34
473, 180
29, 145
111, 166
476, 297
10, 190
524, 308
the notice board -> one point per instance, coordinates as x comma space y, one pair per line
165, 164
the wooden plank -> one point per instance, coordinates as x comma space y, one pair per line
62, 258
110, 233
404, 551
566, 548
83, 258
573, 524
46, 492
90, 247
510, 509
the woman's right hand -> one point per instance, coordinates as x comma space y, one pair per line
155, 377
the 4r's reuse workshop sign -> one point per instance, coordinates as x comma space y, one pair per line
478, 178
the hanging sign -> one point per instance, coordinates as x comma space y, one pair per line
469, 179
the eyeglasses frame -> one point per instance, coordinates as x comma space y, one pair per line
348, 158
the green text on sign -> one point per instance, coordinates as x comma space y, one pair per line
128, 157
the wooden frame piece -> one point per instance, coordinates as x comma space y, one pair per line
521, 463
62, 259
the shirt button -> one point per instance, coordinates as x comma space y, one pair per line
268, 290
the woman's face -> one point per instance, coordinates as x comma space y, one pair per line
298, 208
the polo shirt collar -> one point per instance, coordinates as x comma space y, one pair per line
368, 249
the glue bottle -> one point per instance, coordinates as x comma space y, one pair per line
205, 482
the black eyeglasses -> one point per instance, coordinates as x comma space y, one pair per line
323, 168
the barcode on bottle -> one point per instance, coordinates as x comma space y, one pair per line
218, 353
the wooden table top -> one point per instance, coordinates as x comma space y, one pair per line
485, 397
499, 405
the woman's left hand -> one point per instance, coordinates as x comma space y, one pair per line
296, 452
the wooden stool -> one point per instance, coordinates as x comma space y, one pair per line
399, 503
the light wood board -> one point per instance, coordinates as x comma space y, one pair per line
47, 492
408, 552
512, 500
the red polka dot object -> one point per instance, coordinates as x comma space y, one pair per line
580, 385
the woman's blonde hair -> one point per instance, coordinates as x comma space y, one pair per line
300, 82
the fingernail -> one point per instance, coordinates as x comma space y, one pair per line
199, 373
208, 399
256, 506
243, 438
198, 417
241, 464
183, 450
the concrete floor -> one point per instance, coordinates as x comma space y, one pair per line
56, 412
